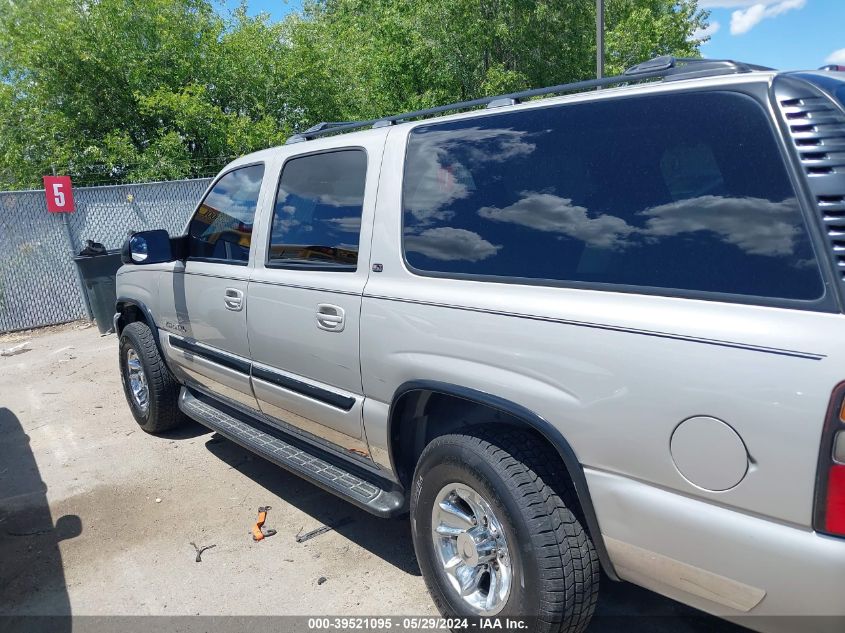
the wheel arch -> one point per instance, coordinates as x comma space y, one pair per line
416, 394
128, 310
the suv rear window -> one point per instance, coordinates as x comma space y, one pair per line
673, 192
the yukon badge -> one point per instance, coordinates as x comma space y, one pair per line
175, 327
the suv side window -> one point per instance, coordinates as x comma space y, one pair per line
317, 217
678, 192
221, 229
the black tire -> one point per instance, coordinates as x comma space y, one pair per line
554, 562
162, 412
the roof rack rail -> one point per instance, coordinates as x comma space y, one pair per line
665, 67
326, 125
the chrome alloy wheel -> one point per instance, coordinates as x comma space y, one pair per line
471, 546
137, 380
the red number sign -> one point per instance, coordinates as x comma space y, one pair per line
59, 194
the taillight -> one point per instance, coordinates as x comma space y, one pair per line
830, 485
835, 510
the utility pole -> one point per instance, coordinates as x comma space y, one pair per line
599, 39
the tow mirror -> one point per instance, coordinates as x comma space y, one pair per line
148, 247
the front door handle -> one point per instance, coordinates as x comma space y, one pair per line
234, 299
330, 317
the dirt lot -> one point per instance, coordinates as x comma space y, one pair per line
97, 517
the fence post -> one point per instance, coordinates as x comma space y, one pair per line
80, 284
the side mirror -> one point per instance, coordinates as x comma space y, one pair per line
147, 247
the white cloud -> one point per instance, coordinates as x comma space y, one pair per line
743, 20
550, 213
772, 234
447, 243
710, 31
836, 57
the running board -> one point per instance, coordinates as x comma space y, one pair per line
332, 473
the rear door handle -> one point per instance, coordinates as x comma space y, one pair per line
330, 317
234, 299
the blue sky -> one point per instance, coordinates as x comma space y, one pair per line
276, 8
785, 34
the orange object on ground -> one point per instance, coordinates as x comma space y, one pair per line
259, 533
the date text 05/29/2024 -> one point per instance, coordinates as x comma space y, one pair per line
417, 623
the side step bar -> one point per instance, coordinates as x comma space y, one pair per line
331, 473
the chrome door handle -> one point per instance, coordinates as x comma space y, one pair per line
330, 317
234, 299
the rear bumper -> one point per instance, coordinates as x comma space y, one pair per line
766, 575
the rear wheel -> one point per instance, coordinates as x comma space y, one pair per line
494, 536
151, 390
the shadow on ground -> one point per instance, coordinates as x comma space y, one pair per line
31, 574
187, 430
389, 539
621, 605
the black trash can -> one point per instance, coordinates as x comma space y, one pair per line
98, 274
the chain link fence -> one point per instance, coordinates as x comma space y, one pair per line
38, 280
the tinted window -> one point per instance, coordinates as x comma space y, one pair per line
317, 217
222, 226
683, 191
840, 94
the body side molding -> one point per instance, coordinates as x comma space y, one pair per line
546, 429
214, 356
248, 368
320, 394
613, 328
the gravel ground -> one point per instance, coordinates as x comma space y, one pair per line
97, 517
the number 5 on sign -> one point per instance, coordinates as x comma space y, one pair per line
59, 194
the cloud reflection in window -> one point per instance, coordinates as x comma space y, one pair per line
449, 244
438, 181
755, 225
236, 193
550, 213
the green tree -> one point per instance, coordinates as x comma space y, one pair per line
123, 90
112, 90
390, 55
642, 29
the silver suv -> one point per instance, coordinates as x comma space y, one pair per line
571, 333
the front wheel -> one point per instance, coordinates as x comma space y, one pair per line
151, 390
493, 536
